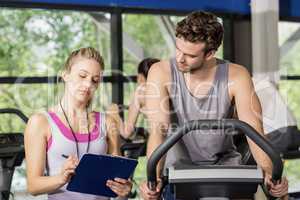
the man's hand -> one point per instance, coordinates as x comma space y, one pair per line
148, 194
279, 189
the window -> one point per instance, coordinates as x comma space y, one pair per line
36, 43
290, 66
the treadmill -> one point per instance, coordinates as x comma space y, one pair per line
11, 154
205, 182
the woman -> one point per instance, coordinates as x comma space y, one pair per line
70, 129
137, 105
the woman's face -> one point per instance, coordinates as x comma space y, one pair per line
141, 79
83, 79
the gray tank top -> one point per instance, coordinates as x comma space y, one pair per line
201, 147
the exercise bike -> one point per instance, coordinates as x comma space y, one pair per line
213, 181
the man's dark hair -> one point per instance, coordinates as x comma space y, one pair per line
201, 27
144, 65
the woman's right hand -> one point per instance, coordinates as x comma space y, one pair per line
68, 169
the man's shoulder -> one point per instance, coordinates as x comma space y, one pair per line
239, 78
237, 71
160, 69
161, 66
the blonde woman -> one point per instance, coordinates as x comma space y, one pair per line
55, 140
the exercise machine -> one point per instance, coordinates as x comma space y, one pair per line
213, 181
11, 154
135, 147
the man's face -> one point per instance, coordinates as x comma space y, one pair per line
189, 56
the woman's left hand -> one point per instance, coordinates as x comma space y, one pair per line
121, 187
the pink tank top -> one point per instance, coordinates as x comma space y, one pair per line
63, 142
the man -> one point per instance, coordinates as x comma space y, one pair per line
201, 86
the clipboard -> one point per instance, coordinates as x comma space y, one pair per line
93, 171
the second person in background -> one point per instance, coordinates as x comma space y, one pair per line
137, 104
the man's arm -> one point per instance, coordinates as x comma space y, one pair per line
249, 110
157, 109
